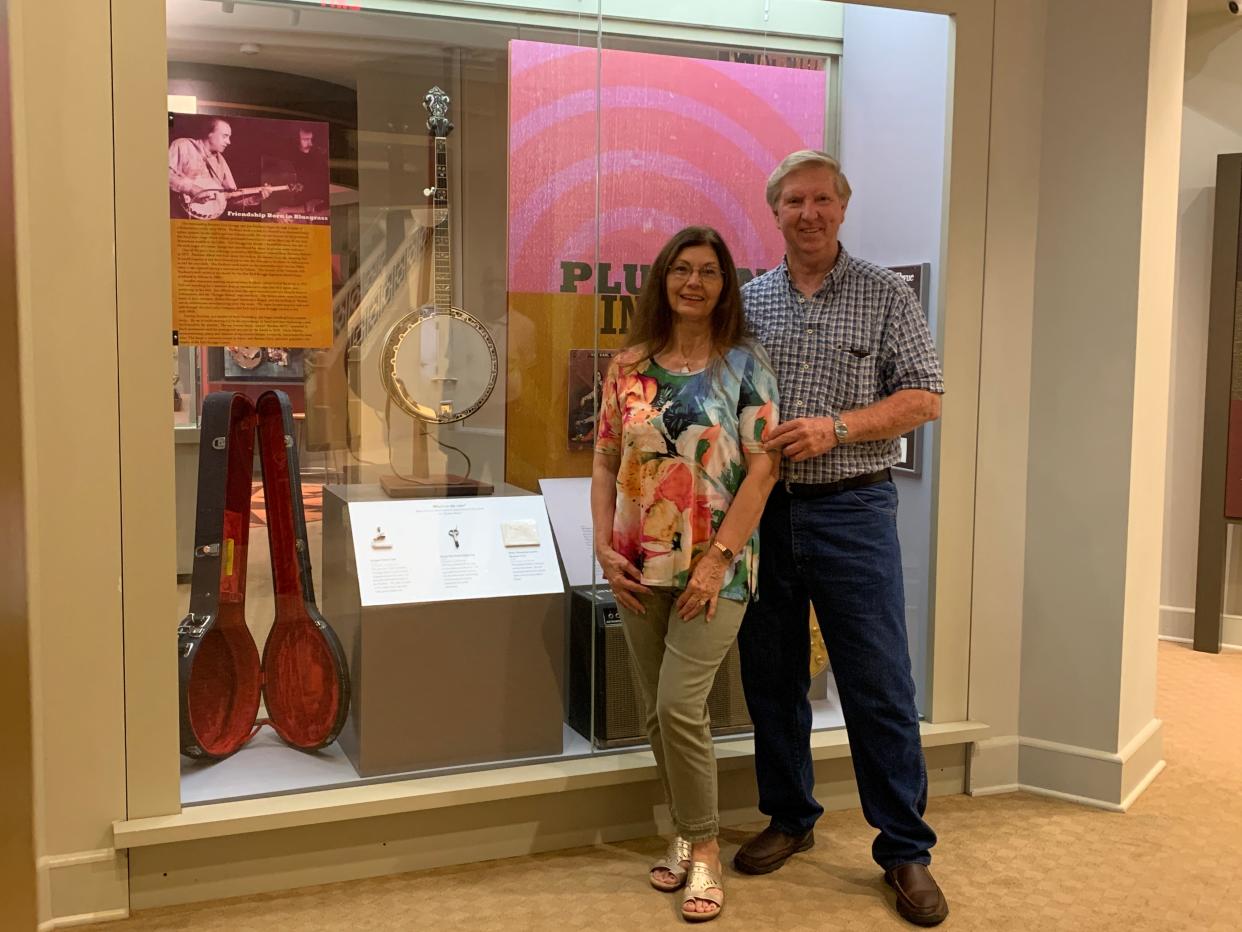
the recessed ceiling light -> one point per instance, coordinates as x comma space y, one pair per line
251, 48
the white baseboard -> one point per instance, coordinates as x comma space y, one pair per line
1088, 776
1224, 648
999, 789
1143, 784
1071, 798
993, 766
1177, 623
1122, 806
84, 887
83, 919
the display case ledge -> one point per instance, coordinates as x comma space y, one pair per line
217, 820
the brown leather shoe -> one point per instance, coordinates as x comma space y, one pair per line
769, 850
919, 899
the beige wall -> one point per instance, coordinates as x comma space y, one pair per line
1099, 382
1211, 125
1075, 368
1004, 410
1058, 153
18, 905
67, 315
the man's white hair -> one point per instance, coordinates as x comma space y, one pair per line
805, 158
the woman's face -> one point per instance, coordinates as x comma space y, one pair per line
694, 282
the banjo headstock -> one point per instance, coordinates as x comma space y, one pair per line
436, 103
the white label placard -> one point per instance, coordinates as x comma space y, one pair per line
444, 549
569, 506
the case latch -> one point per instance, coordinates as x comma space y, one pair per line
194, 626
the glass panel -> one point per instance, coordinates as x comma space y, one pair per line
894, 136
423, 423
430, 230
691, 123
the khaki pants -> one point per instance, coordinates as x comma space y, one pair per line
677, 662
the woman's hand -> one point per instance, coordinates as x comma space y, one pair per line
703, 590
624, 578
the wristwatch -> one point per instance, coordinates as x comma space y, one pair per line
839, 428
728, 554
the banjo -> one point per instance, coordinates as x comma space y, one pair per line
439, 364
210, 203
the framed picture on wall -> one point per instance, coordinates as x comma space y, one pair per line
918, 277
587, 368
911, 462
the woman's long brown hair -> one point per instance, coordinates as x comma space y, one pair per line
651, 327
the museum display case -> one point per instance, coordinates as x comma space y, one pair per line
428, 226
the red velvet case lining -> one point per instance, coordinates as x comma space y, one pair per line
297, 677
222, 695
300, 687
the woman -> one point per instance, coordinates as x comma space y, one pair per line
679, 481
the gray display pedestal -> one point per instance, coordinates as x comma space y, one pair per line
441, 684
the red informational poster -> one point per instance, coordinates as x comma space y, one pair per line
251, 244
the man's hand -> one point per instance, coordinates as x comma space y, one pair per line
266, 191
623, 577
802, 438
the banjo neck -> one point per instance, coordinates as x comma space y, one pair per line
244, 192
441, 251
439, 125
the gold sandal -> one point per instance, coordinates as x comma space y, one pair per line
700, 883
678, 851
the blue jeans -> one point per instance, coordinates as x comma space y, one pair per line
839, 553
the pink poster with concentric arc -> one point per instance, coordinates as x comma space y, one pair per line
680, 141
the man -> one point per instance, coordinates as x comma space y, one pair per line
198, 165
857, 369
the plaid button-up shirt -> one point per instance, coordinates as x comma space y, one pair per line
861, 337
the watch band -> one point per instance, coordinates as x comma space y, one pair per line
841, 429
728, 554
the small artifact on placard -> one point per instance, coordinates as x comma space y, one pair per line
523, 533
380, 541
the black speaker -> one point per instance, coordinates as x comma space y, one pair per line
618, 699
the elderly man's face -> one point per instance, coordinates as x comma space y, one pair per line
809, 211
306, 140
219, 138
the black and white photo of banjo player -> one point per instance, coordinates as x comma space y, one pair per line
197, 167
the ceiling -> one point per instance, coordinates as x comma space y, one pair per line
325, 44
332, 44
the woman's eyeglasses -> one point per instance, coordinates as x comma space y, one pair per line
708, 274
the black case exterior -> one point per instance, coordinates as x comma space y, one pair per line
225, 428
226, 463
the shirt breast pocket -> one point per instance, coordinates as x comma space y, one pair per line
851, 381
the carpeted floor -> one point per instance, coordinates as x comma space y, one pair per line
1014, 862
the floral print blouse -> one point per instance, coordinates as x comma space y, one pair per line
682, 442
